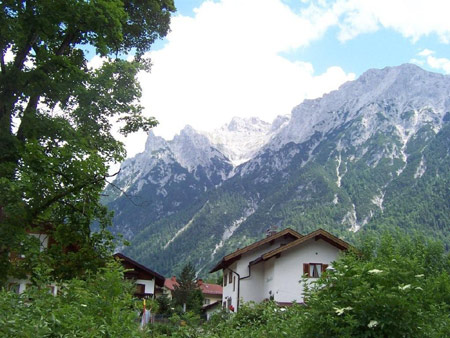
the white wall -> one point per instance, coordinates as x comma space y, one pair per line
289, 268
269, 278
252, 288
149, 285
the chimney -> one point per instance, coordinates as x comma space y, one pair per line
270, 231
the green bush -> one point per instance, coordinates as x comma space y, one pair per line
99, 306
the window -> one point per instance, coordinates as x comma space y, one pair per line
314, 270
207, 301
230, 277
234, 283
140, 288
224, 280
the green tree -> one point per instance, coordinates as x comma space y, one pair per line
165, 306
56, 116
187, 291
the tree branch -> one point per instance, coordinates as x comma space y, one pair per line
129, 197
63, 194
31, 108
22, 54
68, 40
2, 63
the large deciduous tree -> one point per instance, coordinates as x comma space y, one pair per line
56, 114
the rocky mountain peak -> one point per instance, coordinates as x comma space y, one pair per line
154, 143
242, 138
395, 89
193, 149
239, 124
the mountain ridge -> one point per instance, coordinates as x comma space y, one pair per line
346, 162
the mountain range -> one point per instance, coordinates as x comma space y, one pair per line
372, 155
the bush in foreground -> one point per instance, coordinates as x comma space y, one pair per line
99, 306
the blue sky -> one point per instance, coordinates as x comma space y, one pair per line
226, 58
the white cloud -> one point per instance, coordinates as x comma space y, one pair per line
439, 63
225, 62
412, 18
426, 52
427, 57
96, 62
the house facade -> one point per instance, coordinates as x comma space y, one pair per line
146, 280
273, 267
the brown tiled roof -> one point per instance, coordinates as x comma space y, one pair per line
318, 234
232, 257
210, 289
170, 283
206, 288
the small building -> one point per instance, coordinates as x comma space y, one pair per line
146, 279
209, 309
273, 267
211, 292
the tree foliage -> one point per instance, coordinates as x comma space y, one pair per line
56, 112
100, 305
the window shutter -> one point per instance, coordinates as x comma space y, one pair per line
324, 267
306, 269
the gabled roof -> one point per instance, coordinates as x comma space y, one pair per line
234, 256
318, 234
206, 288
159, 279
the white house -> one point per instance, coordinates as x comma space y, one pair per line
272, 268
144, 278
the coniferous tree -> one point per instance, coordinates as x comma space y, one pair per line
187, 292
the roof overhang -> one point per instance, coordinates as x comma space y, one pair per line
234, 256
315, 235
159, 279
